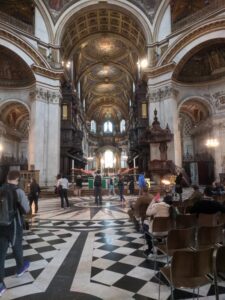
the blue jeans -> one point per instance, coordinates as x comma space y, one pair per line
98, 194
63, 195
17, 249
121, 194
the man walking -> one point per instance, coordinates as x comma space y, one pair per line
63, 185
98, 188
11, 224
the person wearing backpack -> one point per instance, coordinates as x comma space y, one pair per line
34, 194
98, 188
13, 204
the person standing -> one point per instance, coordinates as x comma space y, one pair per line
131, 186
62, 186
98, 188
13, 233
79, 182
121, 188
34, 194
141, 183
111, 186
178, 185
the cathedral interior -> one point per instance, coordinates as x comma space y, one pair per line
107, 85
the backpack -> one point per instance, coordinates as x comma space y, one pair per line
98, 180
8, 205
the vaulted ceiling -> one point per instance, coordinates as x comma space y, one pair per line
104, 44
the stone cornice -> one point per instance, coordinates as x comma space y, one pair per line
162, 93
153, 72
53, 74
198, 31
16, 40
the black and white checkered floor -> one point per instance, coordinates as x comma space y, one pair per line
100, 257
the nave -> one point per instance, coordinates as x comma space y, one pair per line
88, 252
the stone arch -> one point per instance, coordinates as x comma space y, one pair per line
193, 38
15, 114
199, 99
47, 19
131, 8
23, 49
158, 18
15, 100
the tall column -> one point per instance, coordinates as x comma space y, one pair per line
219, 157
44, 136
163, 99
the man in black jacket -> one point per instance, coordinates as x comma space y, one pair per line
207, 205
98, 188
13, 233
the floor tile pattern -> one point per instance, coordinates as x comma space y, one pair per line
88, 252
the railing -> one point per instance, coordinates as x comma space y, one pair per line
17, 23
202, 13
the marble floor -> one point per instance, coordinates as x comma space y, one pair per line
88, 252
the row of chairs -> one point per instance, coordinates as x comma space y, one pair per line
191, 241
193, 269
187, 220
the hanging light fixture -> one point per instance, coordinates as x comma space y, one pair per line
212, 143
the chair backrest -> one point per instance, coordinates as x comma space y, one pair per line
161, 224
208, 219
185, 221
209, 236
189, 268
220, 260
181, 238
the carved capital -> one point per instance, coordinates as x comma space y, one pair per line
162, 93
47, 96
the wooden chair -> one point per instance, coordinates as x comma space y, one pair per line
160, 228
209, 219
188, 269
209, 236
178, 239
218, 267
185, 221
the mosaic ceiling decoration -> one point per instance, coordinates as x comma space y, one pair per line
205, 64
57, 7
13, 71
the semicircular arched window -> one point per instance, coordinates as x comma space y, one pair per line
122, 126
93, 126
108, 127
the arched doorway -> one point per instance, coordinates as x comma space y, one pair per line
197, 159
14, 112
101, 46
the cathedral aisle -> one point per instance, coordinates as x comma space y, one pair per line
87, 252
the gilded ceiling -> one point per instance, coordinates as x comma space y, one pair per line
19, 9
16, 117
104, 45
13, 71
206, 63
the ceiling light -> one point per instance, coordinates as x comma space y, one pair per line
212, 143
144, 63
